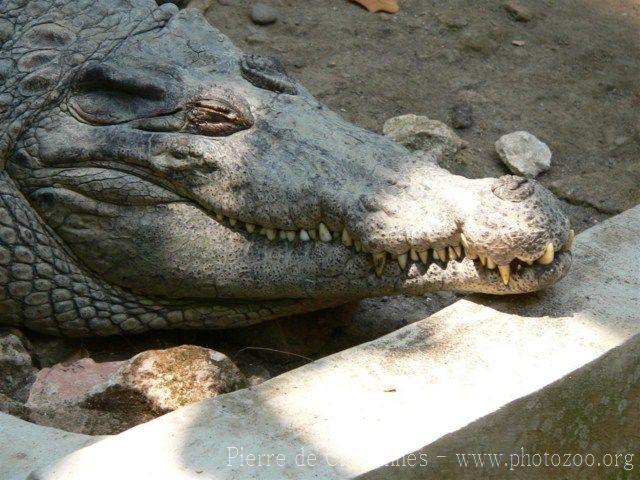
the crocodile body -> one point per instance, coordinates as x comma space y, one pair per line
152, 176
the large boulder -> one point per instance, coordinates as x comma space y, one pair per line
158, 381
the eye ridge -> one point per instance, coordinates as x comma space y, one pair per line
268, 73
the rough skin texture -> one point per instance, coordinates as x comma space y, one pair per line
153, 176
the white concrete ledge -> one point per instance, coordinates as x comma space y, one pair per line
25, 446
371, 404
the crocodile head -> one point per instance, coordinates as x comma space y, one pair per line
172, 168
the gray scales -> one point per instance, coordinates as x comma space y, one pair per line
152, 177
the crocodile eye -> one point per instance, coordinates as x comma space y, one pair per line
267, 73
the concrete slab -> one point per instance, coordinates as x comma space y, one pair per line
349, 413
25, 446
585, 426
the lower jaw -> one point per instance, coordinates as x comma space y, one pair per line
457, 275
468, 276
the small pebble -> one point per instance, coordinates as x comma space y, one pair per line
453, 20
518, 43
461, 115
518, 11
262, 14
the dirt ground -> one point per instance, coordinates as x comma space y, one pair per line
574, 83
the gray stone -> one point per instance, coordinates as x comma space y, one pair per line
366, 406
518, 11
462, 115
12, 407
262, 14
421, 133
17, 371
524, 154
479, 40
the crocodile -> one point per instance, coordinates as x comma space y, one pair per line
153, 176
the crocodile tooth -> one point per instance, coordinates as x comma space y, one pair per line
458, 251
490, 263
465, 243
313, 234
282, 235
483, 260
402, 260
233, 222
271, 233
250, 227
379, 261
325, 234
291, 235
346, 238
505, 273
219, 217
424, 256
547, 256
524, 260
569, 243
358, 245
414, 255
441, 254
453, 255
304, 236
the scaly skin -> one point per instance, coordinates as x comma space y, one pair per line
153, 176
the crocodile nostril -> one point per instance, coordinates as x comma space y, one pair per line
512, 188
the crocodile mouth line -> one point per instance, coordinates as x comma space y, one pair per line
424, 255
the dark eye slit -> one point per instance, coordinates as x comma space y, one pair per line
101, 77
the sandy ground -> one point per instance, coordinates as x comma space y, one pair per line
574, 83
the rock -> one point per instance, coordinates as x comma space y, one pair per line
17, 372
479, 40
110, 397
462, 115
158, 381
453, 20
256, 38
524, 154
12, 407
415, 23
225, 2
518, 11
256, 374
48, 351
202, 5
58, 392
262, 14
421, 133
68, 384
